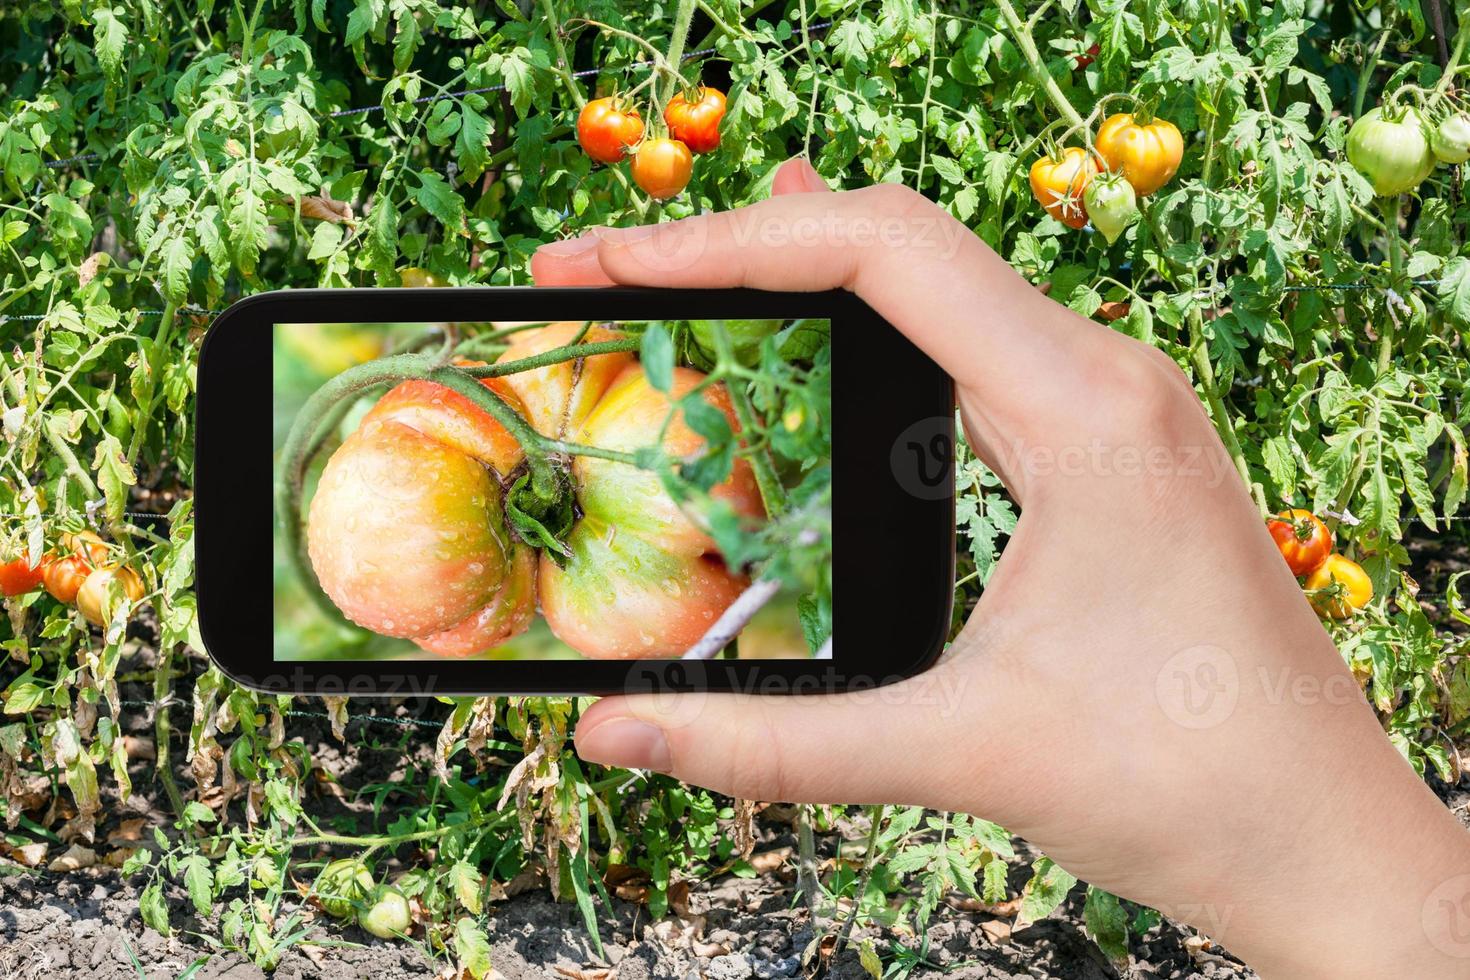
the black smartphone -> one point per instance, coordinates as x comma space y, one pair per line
565, 491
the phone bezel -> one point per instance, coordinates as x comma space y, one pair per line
892, 593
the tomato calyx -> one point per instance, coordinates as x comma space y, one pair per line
543, 522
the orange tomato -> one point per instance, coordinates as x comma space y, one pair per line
1303, 540
64, 577
1339, 587
93, 600
662, 167
86, 546
1059, 185
1147, 155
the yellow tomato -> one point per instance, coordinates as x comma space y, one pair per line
1147, 155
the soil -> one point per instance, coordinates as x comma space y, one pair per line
87, 924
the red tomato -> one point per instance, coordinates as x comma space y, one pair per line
408, 534
18, 577
662, 167
606, 129
1304, 541
696, 123
64, 577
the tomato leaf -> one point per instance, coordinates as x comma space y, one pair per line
657, 356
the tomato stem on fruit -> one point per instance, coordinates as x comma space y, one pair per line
555, 356
543, 476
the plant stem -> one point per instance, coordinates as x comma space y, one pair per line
683, 14
1365, 73
1199, 357
773, 495
556, 355
1391, 214
870, 860
162, 689
806, 858
563, 63
155, 361
1022, 36
543, 476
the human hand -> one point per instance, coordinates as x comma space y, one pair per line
1142, 691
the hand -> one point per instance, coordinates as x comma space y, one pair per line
1142, 691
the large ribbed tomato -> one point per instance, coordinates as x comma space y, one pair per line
408, 534
1147, 154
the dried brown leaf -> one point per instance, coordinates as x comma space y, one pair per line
75, 858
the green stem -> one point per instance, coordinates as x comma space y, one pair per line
870, 860
162, 686
1199, 357
155, 361
1452, 66
683, 14
563, 63
1391, 214
1365, 73
554, 356
1022, 36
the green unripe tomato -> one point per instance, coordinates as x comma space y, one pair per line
1451, 139
1111, 205
343, 885
388, 917
745, 336
1391, 152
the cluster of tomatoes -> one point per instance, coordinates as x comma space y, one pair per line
345, 889
1336, 586
1396, 146
1130, 159
610, 130
81, 576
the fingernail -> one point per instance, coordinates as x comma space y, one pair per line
567, 247
625, 742
625, 236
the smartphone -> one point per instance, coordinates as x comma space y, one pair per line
570, 491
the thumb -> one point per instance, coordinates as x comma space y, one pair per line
858, 747
798, 176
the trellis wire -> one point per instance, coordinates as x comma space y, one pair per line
1322, 287
396, 721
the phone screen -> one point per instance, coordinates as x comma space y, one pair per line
568, 490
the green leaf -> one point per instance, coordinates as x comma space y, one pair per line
154, 908
435, 196
467, 883
472, 948
469, 145
1454, 291
199, 882
1046, 890
109, 41
995, 888
1107, 924
177, 259
657, 356
114, 475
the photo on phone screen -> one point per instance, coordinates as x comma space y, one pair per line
600, 499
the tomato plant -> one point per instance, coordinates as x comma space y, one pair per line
1304, 262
